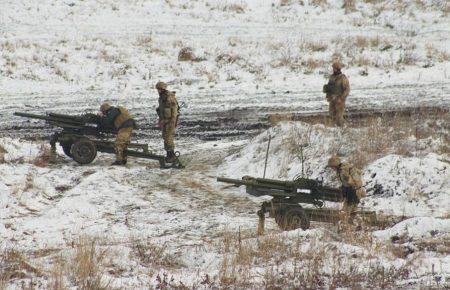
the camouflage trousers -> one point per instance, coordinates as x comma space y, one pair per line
122, 140
168, 134
336, 110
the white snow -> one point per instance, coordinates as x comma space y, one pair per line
264, 56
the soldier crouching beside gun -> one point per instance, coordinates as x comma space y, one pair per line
350, 178
337, 90
119, 119
168, 112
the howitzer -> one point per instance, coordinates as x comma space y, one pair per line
83, 136
286, 199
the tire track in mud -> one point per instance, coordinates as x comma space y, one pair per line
235, 114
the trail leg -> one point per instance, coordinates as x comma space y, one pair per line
53, 140
261, 221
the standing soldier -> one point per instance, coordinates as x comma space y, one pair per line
168, 111
337, 91
119, 119
350, 178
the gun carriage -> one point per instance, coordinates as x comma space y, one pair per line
83, 136
287, 197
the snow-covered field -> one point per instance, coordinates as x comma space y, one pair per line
137, 227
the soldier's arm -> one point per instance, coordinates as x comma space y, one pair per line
108, 120
345, 86
345, 174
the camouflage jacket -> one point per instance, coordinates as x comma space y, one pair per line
338, 87
168, 108
349, 175
117, 118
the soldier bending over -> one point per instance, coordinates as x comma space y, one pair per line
119, 119
337, 91
350, 178
168, 111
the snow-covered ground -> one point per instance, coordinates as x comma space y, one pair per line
262, 55
189, 216
148, 227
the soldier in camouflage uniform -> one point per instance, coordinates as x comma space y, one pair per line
350, 178
337, 91
119, 119
168, 111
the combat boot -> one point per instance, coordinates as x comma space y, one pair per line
170, 157
119, 162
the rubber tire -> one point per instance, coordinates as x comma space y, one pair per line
84, 151
291, 219
67, 148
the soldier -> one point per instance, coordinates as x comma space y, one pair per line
350, 178
168, 111
337, 91
119, 119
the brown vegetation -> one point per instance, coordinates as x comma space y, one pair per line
44, 156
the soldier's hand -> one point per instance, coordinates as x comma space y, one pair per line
160, 124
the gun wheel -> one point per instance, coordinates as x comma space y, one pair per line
84, 151
291, 219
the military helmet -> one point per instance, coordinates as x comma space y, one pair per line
334, 161
105, 107
161, 86
337, 65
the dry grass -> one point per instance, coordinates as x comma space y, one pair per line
187, 54
145, 41
44, 157
407, 57
226, 58
349, 6
434, 53
2, 154
86, 268
303, 263
15, 266
390, 135
235, 7
321, 3
153, 255
311, 65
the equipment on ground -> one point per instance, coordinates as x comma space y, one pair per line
83, 136
288, 195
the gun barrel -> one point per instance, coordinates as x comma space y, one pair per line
251, 182
55, 119
66, 118
280, 188
275, 182
230, 180
32, 116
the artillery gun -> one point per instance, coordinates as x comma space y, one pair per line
288, 195
83, 136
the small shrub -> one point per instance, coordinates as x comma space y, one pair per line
144, 41
349, 6
320, 3
316, 46
44, 157
87, 266
407, 58
152, 254
237, 8
2, 154
226, 58
187, 54
312, 64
